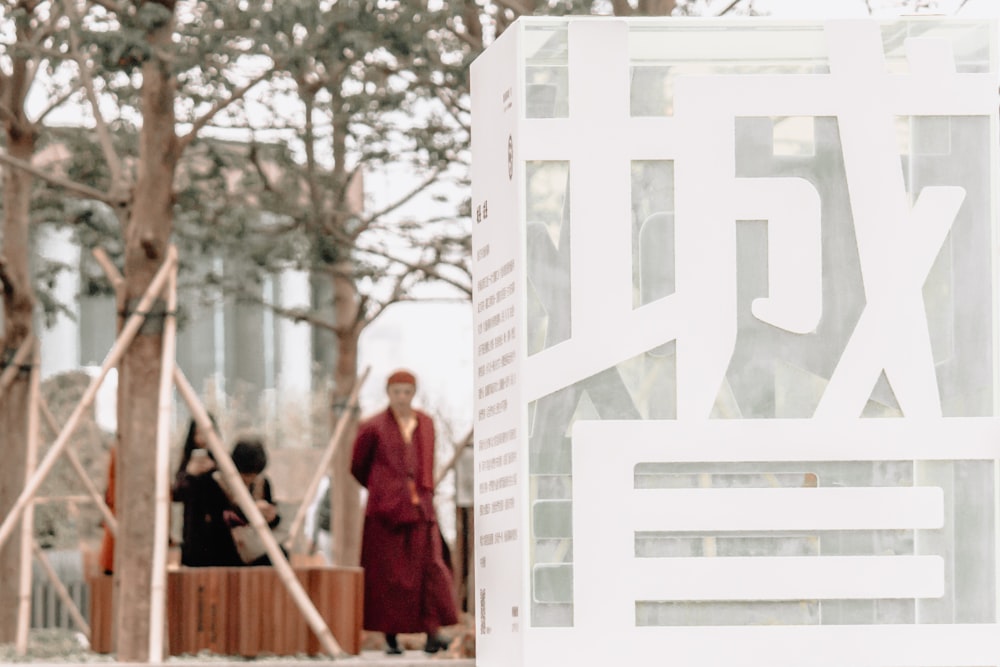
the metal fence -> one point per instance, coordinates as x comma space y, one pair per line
47, 608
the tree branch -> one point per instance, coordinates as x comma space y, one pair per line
103, 135
450, 104
465, 37
56, 104
728, 9
366, 222
621, 8
51, 54
308, 96
6, 282
5, 113
294, 314
428, 268
110, 6
515, 7
382, 306
48, 29
378, 309
259, 168
65, 183
237, 95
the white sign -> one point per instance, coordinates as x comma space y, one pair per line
736, 342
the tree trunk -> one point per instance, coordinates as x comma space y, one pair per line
345, 491
345, 497
656, 7
18, 305
147, 234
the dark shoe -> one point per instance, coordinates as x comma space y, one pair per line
392, 646
436, 643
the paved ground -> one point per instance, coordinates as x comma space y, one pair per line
64, 648
366, 659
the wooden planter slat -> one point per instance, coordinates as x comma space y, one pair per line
244, 610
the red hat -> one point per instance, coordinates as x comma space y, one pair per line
401, 377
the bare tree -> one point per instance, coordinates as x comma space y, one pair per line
146, 41
31, 32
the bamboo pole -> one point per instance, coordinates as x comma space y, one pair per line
28, 517
60, 588
92, 492
117, 282
121, 305
15, 364
466, 441
323, 467
117, 350
110, 270
231, 477
158, 594
24, 584
69, 499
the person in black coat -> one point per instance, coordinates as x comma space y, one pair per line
208, 512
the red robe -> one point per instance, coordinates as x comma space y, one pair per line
407, 584
106, 559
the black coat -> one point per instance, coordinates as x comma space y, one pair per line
207, 540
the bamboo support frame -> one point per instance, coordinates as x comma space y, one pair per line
117, 282
92, 491
128, 332
323, 467
22, 506
158, 593
19, 358
70, 499
110, 270
231, 477
60, 589
28, 517
24, 583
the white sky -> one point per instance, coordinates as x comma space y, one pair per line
434, 340
857, 8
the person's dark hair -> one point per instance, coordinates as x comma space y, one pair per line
189, 443
249, 455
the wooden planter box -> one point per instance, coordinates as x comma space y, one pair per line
245, 610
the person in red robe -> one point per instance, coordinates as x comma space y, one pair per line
407, 584
106, 558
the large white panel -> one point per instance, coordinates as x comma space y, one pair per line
498, 338
787, 509
609, 511
821, 646
735, 250
787, 578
